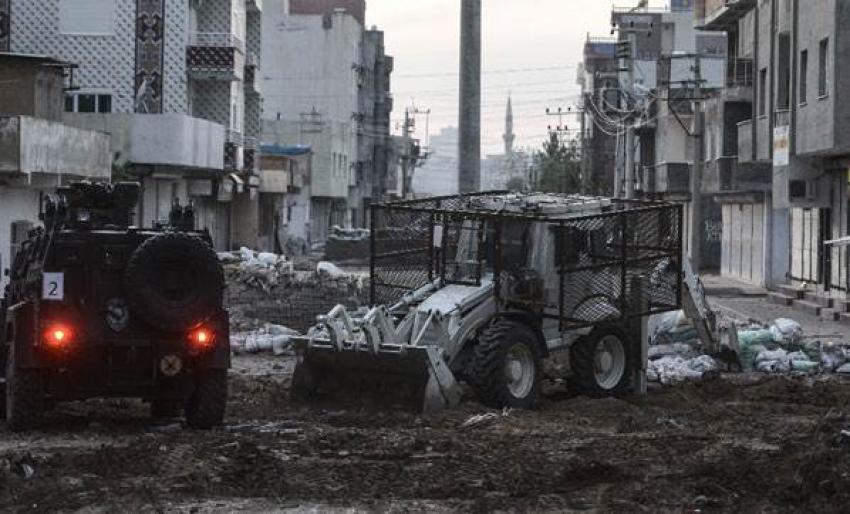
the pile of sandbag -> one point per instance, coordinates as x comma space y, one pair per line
275, 339
256, 269
675, 369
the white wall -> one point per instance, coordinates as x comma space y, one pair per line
439, 175
16, 203
307, 66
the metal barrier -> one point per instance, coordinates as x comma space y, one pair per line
580, 269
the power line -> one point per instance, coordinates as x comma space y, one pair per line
490, 72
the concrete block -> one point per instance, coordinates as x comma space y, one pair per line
841, 304
828, 314
780, 299
807, 307
792, 291
818, 298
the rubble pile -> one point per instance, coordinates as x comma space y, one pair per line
676, 356
269, 337
256, 269
267, 289
345, 244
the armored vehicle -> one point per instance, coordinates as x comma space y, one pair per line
96, 307
482, 288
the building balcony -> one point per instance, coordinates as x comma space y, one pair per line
254, 6
215, 56
172, 140
252, 73
234, 154
672, 177
36, 147
739, 80
721, 15
728, 175
745, 141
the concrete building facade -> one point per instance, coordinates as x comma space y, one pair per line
663, 49
438, 176
174, 84
331, 92
37, 151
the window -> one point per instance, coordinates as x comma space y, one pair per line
88, 102
763, 92
804, 76
783, 87
822, 68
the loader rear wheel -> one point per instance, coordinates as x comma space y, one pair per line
505, 367
601, 362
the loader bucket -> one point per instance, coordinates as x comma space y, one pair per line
414, 379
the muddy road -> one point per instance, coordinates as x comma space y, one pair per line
727, 444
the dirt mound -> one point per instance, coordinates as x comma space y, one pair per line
774, 443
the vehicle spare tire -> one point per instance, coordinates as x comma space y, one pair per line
174, 282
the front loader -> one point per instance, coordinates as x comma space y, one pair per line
482, 288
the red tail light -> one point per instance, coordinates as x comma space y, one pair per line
201, 338
58, 336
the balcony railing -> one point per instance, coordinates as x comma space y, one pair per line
739, 73
721, 14
250, 143
234, 136
216, 40
745, 141
252, 59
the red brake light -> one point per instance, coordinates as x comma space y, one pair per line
58, 336
202, 338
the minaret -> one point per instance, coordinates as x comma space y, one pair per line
509, 136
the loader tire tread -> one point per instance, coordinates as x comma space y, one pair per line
486, 374
582, 361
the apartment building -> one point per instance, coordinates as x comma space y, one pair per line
37, 151
797, 129
174, 84
330, 91
666, 56
598, 77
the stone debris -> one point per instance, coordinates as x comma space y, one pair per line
259, 269
676, 356
275, 339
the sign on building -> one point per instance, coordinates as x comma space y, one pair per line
781, 146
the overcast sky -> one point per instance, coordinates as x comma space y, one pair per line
543, 37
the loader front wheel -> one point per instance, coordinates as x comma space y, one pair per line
505, 367
601, 362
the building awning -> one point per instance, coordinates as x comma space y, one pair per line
286, 151
238, 182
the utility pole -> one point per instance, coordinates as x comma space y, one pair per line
696, 225
469, 142
406, 158
630, 128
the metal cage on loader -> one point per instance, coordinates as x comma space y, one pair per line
481, 288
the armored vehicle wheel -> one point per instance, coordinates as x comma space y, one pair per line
24, 395
206, 406
505, 367
601, 362
174, 282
